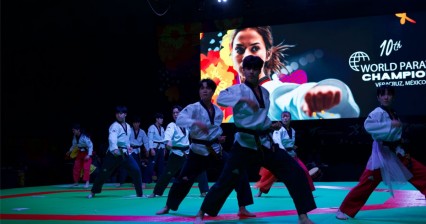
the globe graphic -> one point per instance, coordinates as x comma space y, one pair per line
357, 57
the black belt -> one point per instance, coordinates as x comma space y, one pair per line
208, 144
135, 146
204, 142
181, 148
256, 134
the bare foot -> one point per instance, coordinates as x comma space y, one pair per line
86, 185
259, 194
243, 212
199, 218
163, 211
340, 215
303, 219
153, 195
91, 195
143, 185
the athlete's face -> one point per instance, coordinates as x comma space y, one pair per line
251, 75
285, 118
247, 42
76, 132
385, 99
120, 116
136, 124
206, 93
159, 120
175, 113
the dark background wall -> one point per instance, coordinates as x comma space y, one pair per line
73, 61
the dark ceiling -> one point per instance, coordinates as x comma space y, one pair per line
274, 11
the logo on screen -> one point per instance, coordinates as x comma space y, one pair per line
356, 58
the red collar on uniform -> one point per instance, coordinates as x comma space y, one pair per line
264, 79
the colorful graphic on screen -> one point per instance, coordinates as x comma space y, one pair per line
304, 62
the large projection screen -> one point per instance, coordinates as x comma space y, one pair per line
355, 55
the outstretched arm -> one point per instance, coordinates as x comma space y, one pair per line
321, 98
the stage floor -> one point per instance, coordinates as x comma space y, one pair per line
67, 205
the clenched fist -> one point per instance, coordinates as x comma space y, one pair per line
321, 98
